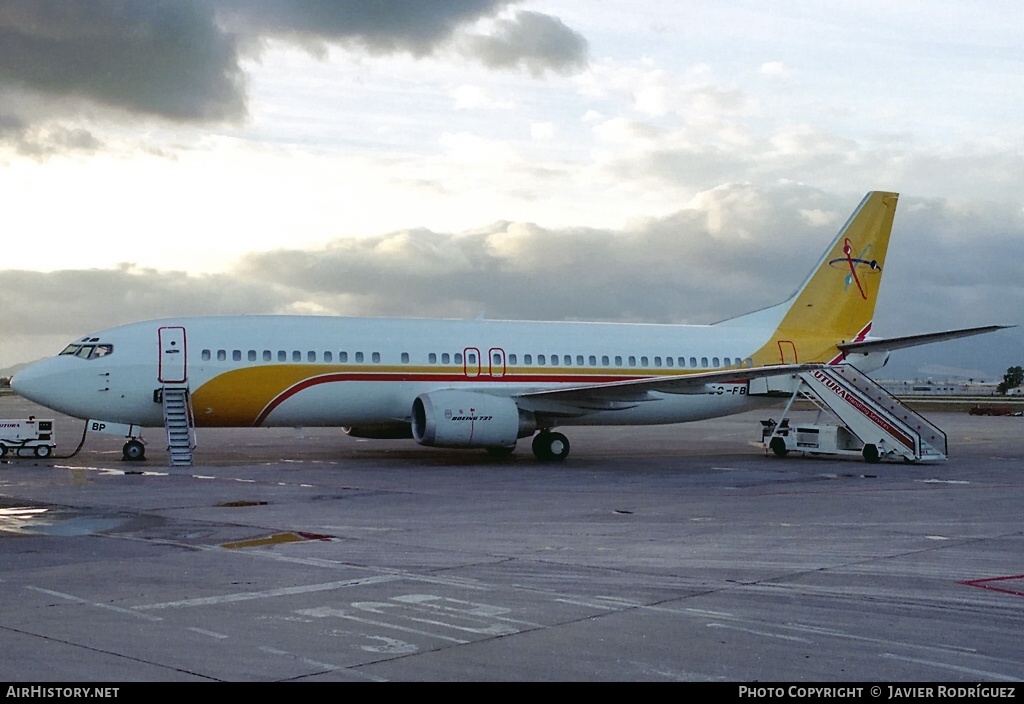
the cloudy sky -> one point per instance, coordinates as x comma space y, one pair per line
568, 160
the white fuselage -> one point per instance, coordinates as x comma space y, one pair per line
326, 371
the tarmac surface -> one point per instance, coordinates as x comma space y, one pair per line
678, 553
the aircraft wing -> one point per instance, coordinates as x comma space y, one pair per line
622, 395
899, 343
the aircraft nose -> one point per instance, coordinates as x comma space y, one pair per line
34, 383
21, 382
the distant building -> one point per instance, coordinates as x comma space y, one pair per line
928, 387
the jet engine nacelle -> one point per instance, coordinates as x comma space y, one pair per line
452, 418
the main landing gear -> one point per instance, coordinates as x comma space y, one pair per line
550, 447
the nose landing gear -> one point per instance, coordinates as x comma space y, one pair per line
133, 451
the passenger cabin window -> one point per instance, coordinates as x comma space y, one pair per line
268, 355
222, 355
282, 356
359, 357
311, 356
236, 355
343, 357
205, 355
446, 358
432, 358
512, 359
528, 359
328, 356
375, 357
252, 355
405, 358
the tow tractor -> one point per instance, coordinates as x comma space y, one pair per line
25, 438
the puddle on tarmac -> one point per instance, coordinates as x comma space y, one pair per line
40, 520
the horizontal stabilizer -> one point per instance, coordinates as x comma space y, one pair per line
899, 343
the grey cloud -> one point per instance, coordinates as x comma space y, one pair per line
530, 40
179, 60
741, 249
73, 302
383, 26
11, 124
44, 141
158, 58
41, 312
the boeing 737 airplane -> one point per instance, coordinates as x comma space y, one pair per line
480, 383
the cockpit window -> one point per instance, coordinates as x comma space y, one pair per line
88, 351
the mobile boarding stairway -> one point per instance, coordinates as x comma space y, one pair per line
875, 424
178, 421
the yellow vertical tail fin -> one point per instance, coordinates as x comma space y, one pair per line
837, 301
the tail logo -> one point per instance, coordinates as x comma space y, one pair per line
852, 263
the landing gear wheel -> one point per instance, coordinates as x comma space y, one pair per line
550, 447
778, 446
43, 451
871, 455
3, 450
134, 451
